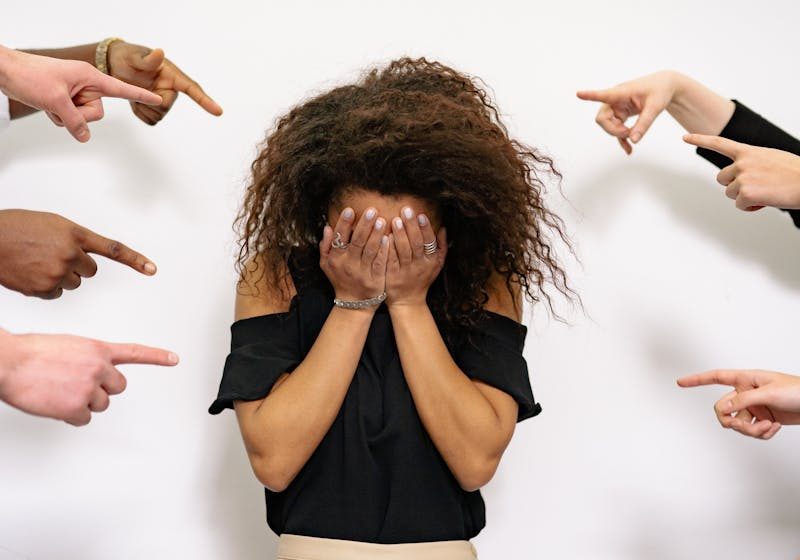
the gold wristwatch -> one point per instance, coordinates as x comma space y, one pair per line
101, 54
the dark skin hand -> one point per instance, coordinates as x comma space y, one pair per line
44, 254
140, 66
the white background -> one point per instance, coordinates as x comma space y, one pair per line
621, 465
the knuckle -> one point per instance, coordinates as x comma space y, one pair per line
114, 249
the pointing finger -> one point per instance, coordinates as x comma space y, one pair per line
723, 146
114, 250
139, 354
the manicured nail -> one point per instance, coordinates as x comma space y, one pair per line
149, 268
385, 240
348, 214
398, 223
379, 224
173, 358
371, 213
423, 221
408, 213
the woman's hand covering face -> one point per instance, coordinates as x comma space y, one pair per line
410, 270
353, 255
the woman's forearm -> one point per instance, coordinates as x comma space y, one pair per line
698, 109
282, 431
468, 431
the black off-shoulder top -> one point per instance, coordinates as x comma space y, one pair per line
376, 476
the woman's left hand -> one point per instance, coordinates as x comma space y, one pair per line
411, 271
149, 69
758, 176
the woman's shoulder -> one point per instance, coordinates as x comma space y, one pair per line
262, 290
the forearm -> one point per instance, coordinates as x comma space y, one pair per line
282, 431
462, 423
83, 53
698, 109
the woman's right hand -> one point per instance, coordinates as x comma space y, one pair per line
647, 97
357, 271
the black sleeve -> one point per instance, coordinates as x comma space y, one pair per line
493, 355
262, 349
751, 128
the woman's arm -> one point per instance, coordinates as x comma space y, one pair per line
281, 431
470, 422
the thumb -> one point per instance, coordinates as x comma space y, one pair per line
151, 61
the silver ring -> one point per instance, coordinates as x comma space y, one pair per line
431, 248
337, 242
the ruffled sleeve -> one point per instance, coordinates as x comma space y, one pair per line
262, 349
493, 355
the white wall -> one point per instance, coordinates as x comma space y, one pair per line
621, 464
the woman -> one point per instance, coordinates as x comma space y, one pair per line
760, 167
389, 233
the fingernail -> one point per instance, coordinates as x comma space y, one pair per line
149, 268
635, 137
398, 223
348, 214
172, 358
423, 221
385, 240
83, 134
729, 405
380, 223
370, 213
408, 213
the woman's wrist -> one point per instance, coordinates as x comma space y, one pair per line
404, 308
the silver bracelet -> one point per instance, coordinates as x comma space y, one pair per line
360, 303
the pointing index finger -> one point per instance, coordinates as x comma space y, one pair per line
125, 353
723, 146
185, 84
114, 250
112, 87
728, 377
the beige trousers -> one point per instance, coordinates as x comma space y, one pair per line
296, 547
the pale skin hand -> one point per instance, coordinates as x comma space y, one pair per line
471, 423
149, 69
695, 107
67, 377
282, 430
70, 92
761, 402
44, 254
758, 177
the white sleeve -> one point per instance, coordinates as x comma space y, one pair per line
4, 115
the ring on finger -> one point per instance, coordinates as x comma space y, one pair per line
430, 248
337, 242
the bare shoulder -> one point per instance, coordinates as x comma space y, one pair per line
257, 293
505, 298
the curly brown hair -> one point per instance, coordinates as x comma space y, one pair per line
420, 128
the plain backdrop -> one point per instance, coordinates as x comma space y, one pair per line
621, 464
